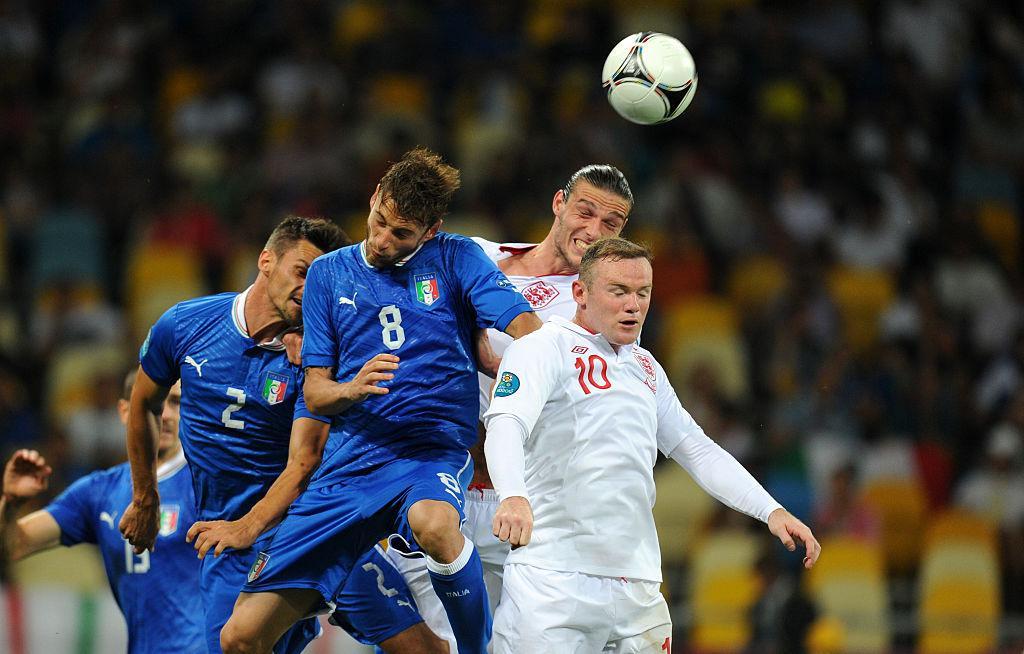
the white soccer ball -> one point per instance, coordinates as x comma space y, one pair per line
649, 77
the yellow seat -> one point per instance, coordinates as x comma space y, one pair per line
959, 617
721, 552
961, 526
901, 505
862, 295
721, 608
704, 331
679, 513
158, 277
846, 558
1001, 229
861, 605
958, 561
72, 371
756, 282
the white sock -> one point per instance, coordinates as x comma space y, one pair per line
459, 563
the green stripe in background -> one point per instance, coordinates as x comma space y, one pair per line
87, 610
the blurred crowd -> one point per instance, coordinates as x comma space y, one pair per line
836, 218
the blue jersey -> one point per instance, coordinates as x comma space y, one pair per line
424, 311
238, 400
158, 592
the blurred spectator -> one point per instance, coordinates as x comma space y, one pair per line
843, 513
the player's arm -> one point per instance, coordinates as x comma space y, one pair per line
141, 520
327, 397
26, 475
527, 378
523, 324
487, 360
723, 477
305, 450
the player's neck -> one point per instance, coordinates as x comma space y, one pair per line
538, 261
168, 454
581, 320
262, 321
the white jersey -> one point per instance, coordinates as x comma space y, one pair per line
548, 295
596, 419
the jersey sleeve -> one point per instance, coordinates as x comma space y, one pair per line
158, 355
527, 377
675, 424
487, 289
319, 339
73, 511
301, 410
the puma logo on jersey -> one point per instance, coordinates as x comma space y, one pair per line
198, 366
402, 602
344, 300
107, 518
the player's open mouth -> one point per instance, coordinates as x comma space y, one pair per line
629, 323
583, 245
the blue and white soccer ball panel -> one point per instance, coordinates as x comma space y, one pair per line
650, 78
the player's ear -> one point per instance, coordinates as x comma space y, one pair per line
432, 230
122, 411
373, 198
579, 292
266, 261
558, 201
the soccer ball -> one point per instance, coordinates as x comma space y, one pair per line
649, 77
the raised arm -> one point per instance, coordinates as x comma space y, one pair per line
141, 520
26, 475
305, 449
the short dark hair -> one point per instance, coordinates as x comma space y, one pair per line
603, 176
322, 233
610, 249
129, 384
420, 185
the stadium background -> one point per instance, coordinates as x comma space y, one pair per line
837, 221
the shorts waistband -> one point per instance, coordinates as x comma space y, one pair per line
481, 494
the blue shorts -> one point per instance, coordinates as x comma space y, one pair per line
220, 580
331, 526
375, 604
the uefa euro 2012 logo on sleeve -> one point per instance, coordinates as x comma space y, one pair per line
507, 385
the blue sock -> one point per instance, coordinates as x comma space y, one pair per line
460, 587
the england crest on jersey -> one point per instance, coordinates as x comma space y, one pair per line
427, 291
540, 294
274, 387
169, 519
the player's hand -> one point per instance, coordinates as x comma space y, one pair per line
365, 383
789, 529
220, 535
25, 475
293, 347
514, 521
141, 522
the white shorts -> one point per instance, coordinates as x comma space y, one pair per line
480, 507
543, 611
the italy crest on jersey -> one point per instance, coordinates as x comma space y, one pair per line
427, 291
274, 387
257, 566
169, 519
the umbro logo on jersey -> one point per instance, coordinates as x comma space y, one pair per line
580, 349
198, 366
352, 300
108, 518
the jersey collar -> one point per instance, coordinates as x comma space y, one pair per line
583, 331
398, 264
238, 318
173, 465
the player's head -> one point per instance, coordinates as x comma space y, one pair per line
594, 204
167, 437
286, 257
408, 206
613, 292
